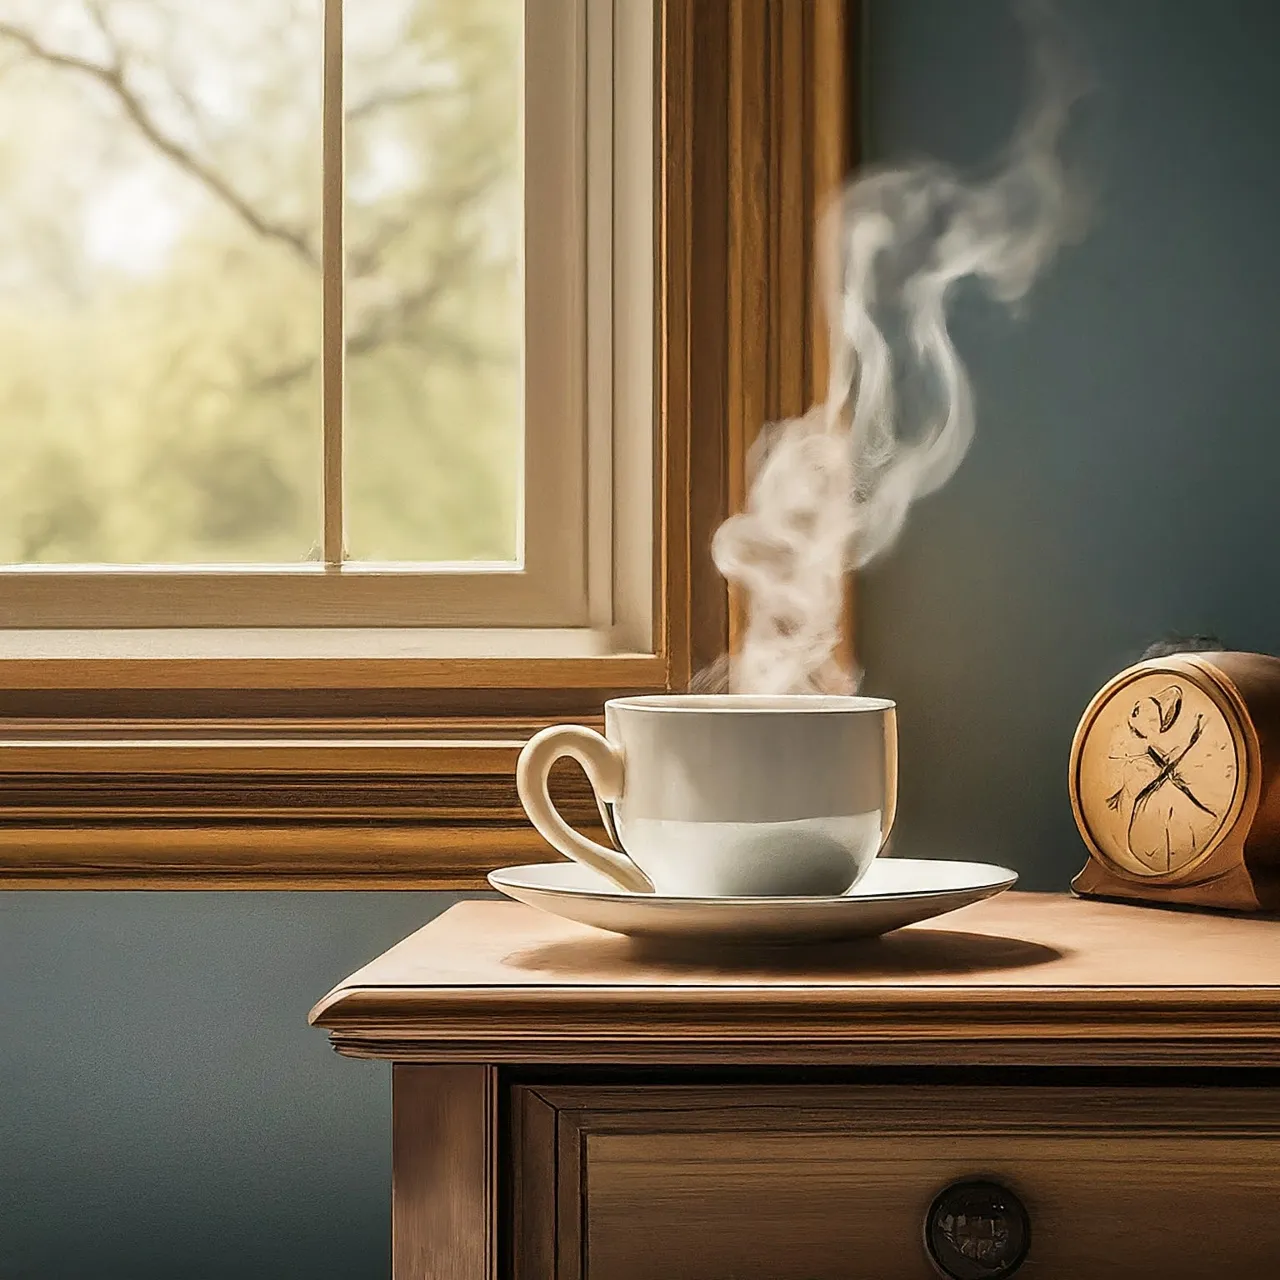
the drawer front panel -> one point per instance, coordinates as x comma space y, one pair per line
836, 1184
774, 1206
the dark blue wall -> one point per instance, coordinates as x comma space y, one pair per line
1125, 478
164, 1110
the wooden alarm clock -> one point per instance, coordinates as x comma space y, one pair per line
1175, 783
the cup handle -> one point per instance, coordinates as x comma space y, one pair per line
601, 761
890, 810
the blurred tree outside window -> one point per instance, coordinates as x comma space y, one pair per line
160, 280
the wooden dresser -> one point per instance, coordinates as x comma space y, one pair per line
1035, 1085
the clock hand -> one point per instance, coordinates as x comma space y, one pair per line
1178, 782
1176, 779
1166, 772
1169, 764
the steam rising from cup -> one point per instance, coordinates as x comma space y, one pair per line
830, 491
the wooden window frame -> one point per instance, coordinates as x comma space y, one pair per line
384, 771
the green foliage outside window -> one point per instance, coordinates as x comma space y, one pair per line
160, 280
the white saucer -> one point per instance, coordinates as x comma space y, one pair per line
893, 893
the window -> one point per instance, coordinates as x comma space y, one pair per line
300, 318
375, 374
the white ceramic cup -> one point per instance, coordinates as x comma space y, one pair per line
727, 795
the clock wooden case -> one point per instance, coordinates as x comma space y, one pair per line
1175, 783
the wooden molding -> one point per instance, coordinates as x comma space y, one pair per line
324, 810
691, 327
370, 772
758, 133
791, 144
259, 854
790, 148
1106, 1028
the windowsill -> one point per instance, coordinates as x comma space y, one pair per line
304, 643
321, 658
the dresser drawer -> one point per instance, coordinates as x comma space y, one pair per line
835, 1183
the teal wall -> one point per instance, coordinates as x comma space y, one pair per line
1125, 478
164, 1109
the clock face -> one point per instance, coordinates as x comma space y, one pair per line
1158, 775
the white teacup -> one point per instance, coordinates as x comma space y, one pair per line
727, 795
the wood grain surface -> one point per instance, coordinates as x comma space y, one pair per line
444, 1152
1022, 978
830, 1183
792, 140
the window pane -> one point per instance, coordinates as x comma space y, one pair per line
434, 292
159, 280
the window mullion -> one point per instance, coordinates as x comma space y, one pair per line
333, 329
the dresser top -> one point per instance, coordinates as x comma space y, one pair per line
1020, 978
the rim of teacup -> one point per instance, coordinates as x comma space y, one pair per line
759, 703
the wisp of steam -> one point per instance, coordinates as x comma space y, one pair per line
830, 491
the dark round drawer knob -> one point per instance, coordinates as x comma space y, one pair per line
977, 1231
